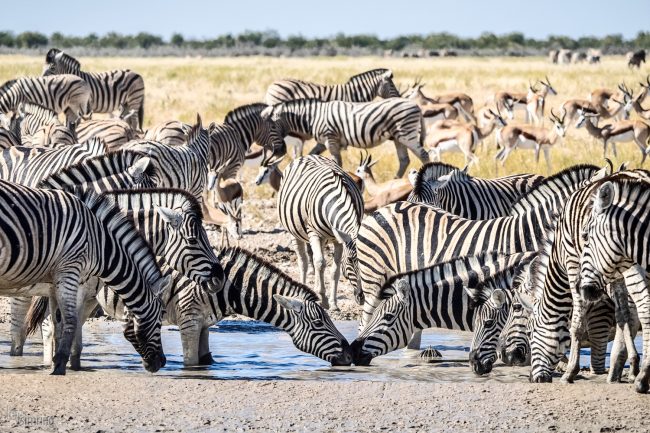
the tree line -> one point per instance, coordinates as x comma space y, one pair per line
272, 39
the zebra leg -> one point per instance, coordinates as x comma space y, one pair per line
205, 356
87, 305
577, 331
318, 149
19, 307
335, 274
190, 340
303, 260
319, 267
600, 320
403, 157
47, 333
416, 340
64, 317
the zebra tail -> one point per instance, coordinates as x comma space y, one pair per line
141, 114
423, 131
36, 313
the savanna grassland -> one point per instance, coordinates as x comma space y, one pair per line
178, 88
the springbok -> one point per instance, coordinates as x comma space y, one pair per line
531, 137
536, 101
600, 98
460, 101
622, 131
227, 197
431, 111
532, 101
384, 193
571, 109
447, 136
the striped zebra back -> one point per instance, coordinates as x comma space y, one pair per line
122, 169
476, 198
34, 117
30, 165
8, 139
363, 87
115, 133
171, 133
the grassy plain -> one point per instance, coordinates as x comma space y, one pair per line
177, 88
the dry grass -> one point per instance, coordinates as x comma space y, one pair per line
177, 88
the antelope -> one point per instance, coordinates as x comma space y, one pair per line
533, 101
600, 99
571, 109
622, 131
227, 197
446, 136
431, 111
531, 137
462, 102
384, 193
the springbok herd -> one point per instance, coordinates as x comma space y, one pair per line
97, 213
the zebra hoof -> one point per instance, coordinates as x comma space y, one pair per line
566, 379
59, 369
641, 387
206, 359
75, 363
17, 351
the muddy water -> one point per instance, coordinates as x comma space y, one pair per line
254, 350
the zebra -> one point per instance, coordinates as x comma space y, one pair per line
40, 126
66, 94
110, 91
253, 288
475, 198
363, 87
616, 242
60, 238
340, 124
8, 139
554, 280
406, 236
115, 133
171, 223
30, 165
120, 169
467, 293
318, 202
171, 133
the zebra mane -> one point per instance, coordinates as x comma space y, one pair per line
539, 267
367, 74
429, 172
7, 85
88, 170
528, 198
178, 194
50, 57
114, 221
244, 111
265, 269
471, 262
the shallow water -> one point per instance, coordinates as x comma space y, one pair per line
254, 350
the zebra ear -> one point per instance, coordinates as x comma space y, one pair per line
288, 303
267, 112
604, 198
473, 294
170, 216
388, 75
498, 297
403, 290
140, 167
602, 173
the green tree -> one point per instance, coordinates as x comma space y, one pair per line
31, 40
7, 39
177, 39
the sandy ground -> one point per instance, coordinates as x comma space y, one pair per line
137, 401
35, 402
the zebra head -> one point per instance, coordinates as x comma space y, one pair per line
390, 327
188, 249
312, 330
491, 304
514, 342
386, 87
145, 335
604, 248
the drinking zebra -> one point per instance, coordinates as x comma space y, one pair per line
338, 125
110, 91
468, 293
253, 288
317, 203
406, 236
67, 94
362, 87
616, 243
82, 231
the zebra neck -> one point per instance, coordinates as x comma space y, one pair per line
251, 284
359, 90
10, 98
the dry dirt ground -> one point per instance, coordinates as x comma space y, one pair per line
98, 401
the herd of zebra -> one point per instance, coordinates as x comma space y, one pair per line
99, 214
